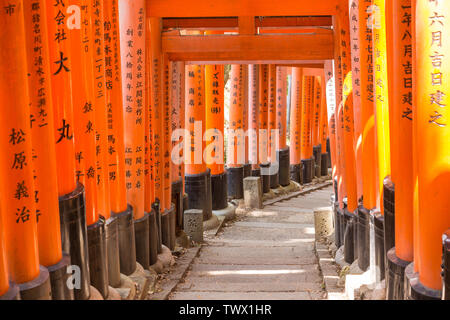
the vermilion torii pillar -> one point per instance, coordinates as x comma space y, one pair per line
43, 142
119, 239
8, 289
263, 135
17, 204
433, 129
306, 152
295, 135
281, 109
236, 135
253, 118
323, 131
245, 127
272, 128
71, 194
317, 148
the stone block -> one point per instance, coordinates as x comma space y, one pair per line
253, 193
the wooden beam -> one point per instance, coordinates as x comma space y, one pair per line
235, 8
232, 22
315, 64
247, 25
283, 47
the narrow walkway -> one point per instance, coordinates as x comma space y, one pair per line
265, 254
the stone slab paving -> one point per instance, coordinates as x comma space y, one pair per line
265, 254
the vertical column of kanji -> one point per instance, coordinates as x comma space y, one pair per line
323, 130
43, 142
433, 129
16, 164
295, 125
177, 155
401, 137
214, 105
116, 157
385, 186
306, 143
272, 127
60, 19
263, 126
253, 118
245, 94
235, 136
280, 107
356, 85
316, 125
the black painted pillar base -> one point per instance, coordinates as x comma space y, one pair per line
389, 214
127, 241
167, 230
363, 238
112, 250
265, 177
156, 206
98, 267
177, 199
317, 155
283, 171
329, 153
247, 170
324, 164
308, 170
58, 279
208, 204
74, 240
415, 290
197, 191
37, 289
446, 265
153, 237
379, 246
13, 293
296, 173
142, 239
337, 224
395, 281
235, 182
219, 191
349, 246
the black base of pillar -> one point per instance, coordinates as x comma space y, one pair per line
296, 172
157, 209
58, 279
349, 246
283, 171
274, 181
98, 267
256, 173
208, 204
395, 281
38, 288
153, 237
167, 231
196, 186
379, 246
308, 171
363, 238
389, 214
72, 213
127, 241
317, 155
337, 225
265, 177
112, 250
415, 290
446, 265
324, 164
235, 184
177, 199
219, 191
342, 224
329, 153
185, 204
13, 293
247, 170
142, 239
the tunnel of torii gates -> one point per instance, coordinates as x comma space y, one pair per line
96, 168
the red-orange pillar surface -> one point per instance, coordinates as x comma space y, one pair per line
402, 130
272, 113
4, 277
323, 123
295, 135
433, 140
236, 148
263, 113
329, 75
60, 70
245, 91
167, 133
316, 110
42, 130
114, 100
306, 117
281, 97
253, 115
17, 196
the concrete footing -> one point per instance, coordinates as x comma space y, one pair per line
253, 193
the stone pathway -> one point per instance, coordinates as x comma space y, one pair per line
264, 254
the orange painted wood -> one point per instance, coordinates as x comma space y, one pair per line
253, 115
42, 130
281, 106
177, 112
60, 70
263, 112
433, 135
4, 277
114, 98
246, 25
17, 192
306, 116
236, 147
245, 102
323, 123
132, 47
272, 113
167, 134
316, 110
295, 123
331, 113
